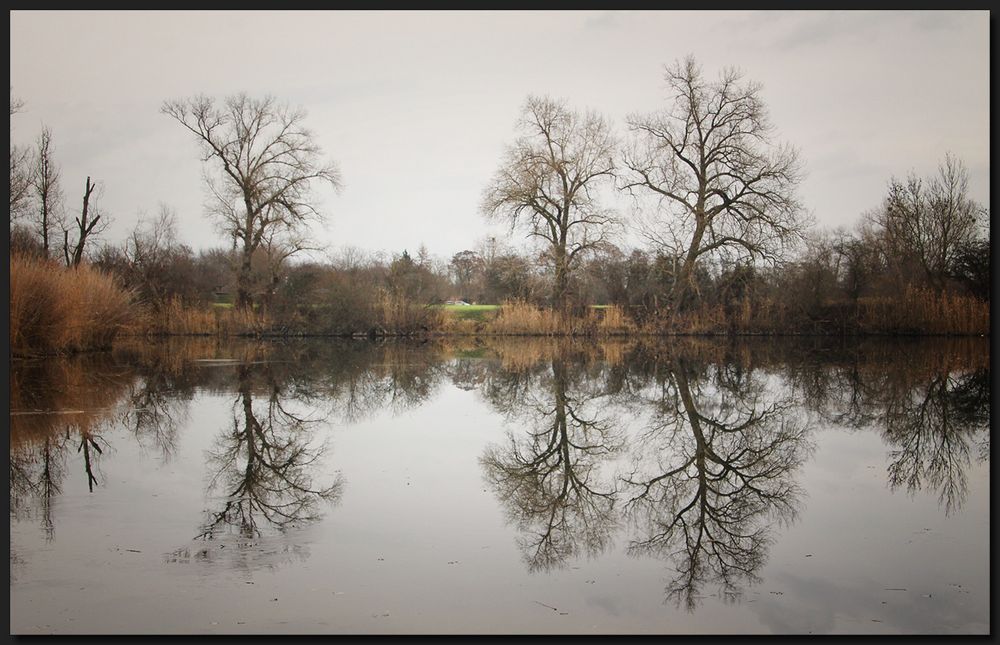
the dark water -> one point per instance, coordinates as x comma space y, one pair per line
521, 486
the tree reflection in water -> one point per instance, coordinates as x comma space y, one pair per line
930, 403
713, 472
58, 407
549, 477
263, 464
714, 439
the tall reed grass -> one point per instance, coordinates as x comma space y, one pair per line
174, 318
924, 311
394, 314
519, 318
56, 310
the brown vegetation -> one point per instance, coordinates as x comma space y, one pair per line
52, 396
923, 311
57, 310
174, 318
519, 318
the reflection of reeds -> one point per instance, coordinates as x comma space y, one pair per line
174, 355
56, 310
53, 395
525, 353
918, 358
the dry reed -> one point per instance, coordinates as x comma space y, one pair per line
925, 311
396, 315
56, 310
517, 317
174, 318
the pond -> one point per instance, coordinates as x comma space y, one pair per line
503, 486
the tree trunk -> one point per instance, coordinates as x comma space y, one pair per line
244, 297
560, 290
680, 292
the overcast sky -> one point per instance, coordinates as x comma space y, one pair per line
416, 107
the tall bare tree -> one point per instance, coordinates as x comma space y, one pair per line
722, 184
48, 192
548, 182
263, 162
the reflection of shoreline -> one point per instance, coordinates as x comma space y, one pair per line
49, 396
928, 400
58, 407
744, 438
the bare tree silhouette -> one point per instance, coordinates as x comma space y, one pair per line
714, 471
263, 466
549, 478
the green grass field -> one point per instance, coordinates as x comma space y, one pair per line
471, 312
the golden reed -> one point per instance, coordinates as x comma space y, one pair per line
58, 310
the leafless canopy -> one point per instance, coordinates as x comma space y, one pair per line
720, 181
547, 182
928, 222
261, 163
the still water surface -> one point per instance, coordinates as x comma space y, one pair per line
516, 486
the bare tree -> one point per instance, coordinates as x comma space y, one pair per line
20, 167
927, 222
263, 164
466, 270
48, 193
86, 227
548, 181
148, 252
722, 184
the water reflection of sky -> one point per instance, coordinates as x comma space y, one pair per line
532, 488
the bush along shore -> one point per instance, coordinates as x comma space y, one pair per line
60, 310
